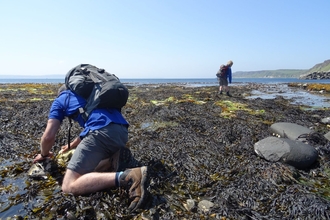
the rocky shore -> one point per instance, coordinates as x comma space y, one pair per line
316, 75
199, 147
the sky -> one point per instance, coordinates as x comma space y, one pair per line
162, 38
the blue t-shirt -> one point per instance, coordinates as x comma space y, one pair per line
68, 103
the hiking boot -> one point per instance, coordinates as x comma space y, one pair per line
229, 94
220, 93
135, 180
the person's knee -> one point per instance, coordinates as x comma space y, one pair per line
66, 189
69, 188
68, 184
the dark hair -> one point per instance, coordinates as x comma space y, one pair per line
61, 89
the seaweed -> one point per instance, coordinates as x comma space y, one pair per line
199, 149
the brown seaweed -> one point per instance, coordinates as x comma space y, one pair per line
198, 145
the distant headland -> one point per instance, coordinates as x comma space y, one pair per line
319, 71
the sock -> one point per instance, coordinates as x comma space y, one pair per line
118, 174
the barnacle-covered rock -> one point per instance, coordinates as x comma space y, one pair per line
37, 170
289, 130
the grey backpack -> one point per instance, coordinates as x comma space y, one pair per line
100, 88
222, 71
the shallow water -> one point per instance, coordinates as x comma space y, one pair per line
298, 96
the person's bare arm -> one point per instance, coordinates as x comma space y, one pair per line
48, 139
73, 144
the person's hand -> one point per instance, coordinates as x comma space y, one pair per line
73, 144
41, 158
64, 148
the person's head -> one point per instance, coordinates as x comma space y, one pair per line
61, 89
230, 63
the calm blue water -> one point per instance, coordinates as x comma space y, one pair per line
192, 82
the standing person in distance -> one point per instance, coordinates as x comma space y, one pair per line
224, 76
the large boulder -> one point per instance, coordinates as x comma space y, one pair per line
294, 153
289, 130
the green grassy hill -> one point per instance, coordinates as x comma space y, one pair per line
320, 67
283, 73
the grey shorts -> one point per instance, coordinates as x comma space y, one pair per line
223, 82
96, 146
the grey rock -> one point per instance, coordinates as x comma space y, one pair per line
326, 120
316, 75
37, 171
41, 170
316, 116
189, 205
294, 153
289, 130
205, 205
327, 136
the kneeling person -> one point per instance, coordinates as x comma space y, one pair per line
105, 132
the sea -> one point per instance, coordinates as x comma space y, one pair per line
298, 97
188, 82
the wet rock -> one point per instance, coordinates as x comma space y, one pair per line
317, 75
71, 216
37, 171
189, 205
40, 170
325, 120
294, 153
327, 136
205, 205
289, 130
